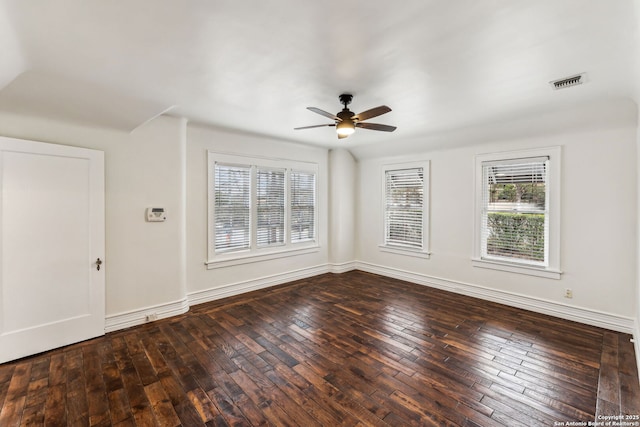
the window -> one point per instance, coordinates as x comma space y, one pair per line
405, 213
259, 207
517, 211
303, 203
270, 206
514, 210
232, 199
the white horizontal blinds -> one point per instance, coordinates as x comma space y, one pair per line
232, 207
270, 198
303, 206
404, 190
515, 219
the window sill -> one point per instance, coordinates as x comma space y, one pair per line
547, 273
418, 253
229, 260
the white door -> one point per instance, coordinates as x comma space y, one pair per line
51, 237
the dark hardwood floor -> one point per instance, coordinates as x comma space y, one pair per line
353, 349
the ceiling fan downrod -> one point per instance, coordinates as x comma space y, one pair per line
345, 99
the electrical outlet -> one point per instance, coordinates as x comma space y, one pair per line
568, 293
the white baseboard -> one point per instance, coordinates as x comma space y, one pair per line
144, 315
591, 317
127, 319
342, 267
563, 311
232, 289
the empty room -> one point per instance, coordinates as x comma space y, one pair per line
332, 213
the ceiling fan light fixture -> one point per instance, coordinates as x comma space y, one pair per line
345, 128
346, 122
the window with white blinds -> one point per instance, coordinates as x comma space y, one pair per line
514, 210
517, 212
404, 207
232, 207
303, 203
270, 207
260, 207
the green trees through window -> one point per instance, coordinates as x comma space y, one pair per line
515, 210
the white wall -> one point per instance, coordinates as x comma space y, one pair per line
164, 163
342, 208
143, 262
206, 284
636, 298
599, 220
11, 57
152, 268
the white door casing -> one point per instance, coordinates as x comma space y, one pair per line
51, 235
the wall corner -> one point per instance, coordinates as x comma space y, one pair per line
342, 205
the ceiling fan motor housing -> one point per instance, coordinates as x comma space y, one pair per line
345, 115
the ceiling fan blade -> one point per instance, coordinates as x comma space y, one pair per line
314, 126
374, 112
323, 113
376, 126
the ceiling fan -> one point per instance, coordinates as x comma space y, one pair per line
346, 122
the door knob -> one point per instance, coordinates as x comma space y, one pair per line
98, 264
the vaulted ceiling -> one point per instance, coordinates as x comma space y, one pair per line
255, 66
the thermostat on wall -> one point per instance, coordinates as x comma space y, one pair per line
156, 215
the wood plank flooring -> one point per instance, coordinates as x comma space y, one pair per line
352, 349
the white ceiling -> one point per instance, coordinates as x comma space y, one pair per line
441, 65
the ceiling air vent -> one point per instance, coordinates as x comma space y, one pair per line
567, 82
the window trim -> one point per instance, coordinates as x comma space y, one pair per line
424, 251
552, 269
256, 253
